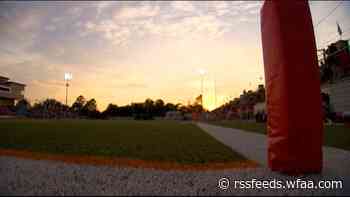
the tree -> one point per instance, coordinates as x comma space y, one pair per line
49, 108
111, 110
159, 107
125, 110
170, 107
22, 107
261, 93
91, 105
78, 105
184, 109
149, 106
90, 109
196, 108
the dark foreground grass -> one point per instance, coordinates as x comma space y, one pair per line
336, 136
148, 140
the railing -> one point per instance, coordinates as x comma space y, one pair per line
4, 89
10, 95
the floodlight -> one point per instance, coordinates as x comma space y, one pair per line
68, 76
202, 71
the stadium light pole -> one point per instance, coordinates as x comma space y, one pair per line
214, 91
67, 78
202, 72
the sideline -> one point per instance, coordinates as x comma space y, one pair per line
125, 162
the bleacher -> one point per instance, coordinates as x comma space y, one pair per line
5, 111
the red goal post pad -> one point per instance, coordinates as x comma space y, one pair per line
295, 125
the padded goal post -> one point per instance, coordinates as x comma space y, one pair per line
295, 125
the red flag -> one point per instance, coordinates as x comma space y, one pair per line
340, 32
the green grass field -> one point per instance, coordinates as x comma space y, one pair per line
148, 140
335, 136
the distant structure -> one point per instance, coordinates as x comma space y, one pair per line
249, 104
335, 62
10, 92
260, 108
335, 75
173, 115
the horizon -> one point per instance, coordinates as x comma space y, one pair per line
124, 52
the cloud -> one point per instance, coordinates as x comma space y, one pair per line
47, 83
222, 12
251, 5
125, 20
178, 19
50, 28
117, 34
133, 85
101, 6
7, 52
185, 6
75, 11
255, 11
90, 25
196, 27
220, 5
20, 26
57, 19
137, 12
57, 39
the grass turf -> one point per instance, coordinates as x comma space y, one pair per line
336, 136
148, 140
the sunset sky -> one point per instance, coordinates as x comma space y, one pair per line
122, 52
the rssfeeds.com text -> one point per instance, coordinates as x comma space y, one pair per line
225, 183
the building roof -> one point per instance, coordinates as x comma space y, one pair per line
15, 83
5, 81
3, 78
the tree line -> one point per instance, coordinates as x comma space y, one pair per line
83, 108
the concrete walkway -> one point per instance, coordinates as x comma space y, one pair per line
254, 147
